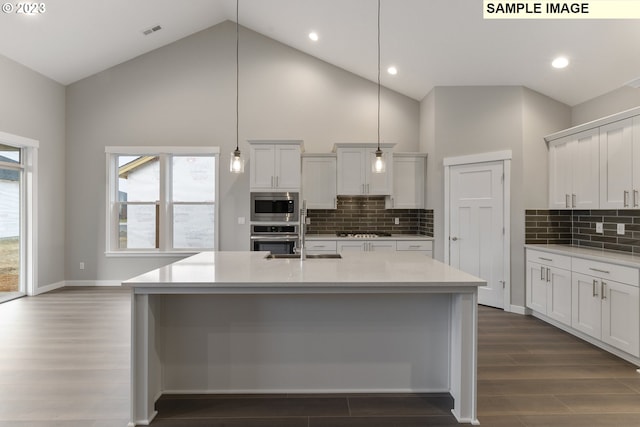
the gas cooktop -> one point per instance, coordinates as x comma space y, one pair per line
363, 234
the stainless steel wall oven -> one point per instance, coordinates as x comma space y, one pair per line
277, 239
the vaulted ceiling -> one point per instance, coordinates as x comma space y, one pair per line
431, 42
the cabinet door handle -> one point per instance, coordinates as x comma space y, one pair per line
362, 188
573, 200
272, 182
603, 290
626, 199
566, 201
545, 259
548, 275
595, 288
367, 188
335, 202
635, 198
544, 279
599, 271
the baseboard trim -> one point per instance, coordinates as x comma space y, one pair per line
518, 309
48, 288
92, 283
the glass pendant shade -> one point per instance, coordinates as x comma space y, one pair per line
237, 162
379, 164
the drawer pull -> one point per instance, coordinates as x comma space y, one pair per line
545, 259
414, 246
599, 271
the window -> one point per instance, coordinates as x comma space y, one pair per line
162, 199
18, 165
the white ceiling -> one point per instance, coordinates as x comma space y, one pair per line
432, 42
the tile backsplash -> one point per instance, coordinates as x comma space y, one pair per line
368, 214
578, 228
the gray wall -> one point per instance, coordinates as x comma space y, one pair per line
460, 121
184, 94
605, 105
32, 106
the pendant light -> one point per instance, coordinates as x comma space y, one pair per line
237, 162
378, 165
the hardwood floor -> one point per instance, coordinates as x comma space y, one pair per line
64, 361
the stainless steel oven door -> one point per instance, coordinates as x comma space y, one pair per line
274, 207
274, 244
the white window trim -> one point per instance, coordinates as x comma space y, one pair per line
166, 228
28, 221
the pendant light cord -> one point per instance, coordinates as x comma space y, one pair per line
237, 73
378, 75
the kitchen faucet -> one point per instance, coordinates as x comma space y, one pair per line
303, 220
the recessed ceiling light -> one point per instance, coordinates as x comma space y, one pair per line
392, 70
560, 62
313, 36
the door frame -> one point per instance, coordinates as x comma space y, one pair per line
29, 217
492, 157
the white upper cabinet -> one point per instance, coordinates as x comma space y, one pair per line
616, 165
355, 175
408, 181
275, 165
574, 171
635, 191
319, 181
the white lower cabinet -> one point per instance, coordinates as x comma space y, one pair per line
549, 291
366, 246
598, 299
607, 306
319, 247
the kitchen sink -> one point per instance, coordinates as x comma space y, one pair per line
297, 256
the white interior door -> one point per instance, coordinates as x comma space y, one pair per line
476, 226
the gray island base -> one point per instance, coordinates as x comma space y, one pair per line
237, 322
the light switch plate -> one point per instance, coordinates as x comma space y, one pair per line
621, 229
241, 220
599, 228
396, 221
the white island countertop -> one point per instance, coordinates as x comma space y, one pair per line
237, 322
244, 270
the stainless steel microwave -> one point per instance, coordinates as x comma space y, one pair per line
274, 207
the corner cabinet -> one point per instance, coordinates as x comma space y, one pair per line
409, 175
319, 181
549, 285
275, 165
598, 301
354, 172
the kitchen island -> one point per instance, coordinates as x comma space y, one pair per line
239, 322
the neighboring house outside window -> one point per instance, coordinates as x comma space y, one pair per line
162, 199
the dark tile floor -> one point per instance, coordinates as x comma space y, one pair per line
334, 410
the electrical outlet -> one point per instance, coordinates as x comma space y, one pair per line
621, 229
241, 220
599, 228
307, 220
396, 221
81, 265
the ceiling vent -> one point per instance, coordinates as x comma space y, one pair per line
151, 30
